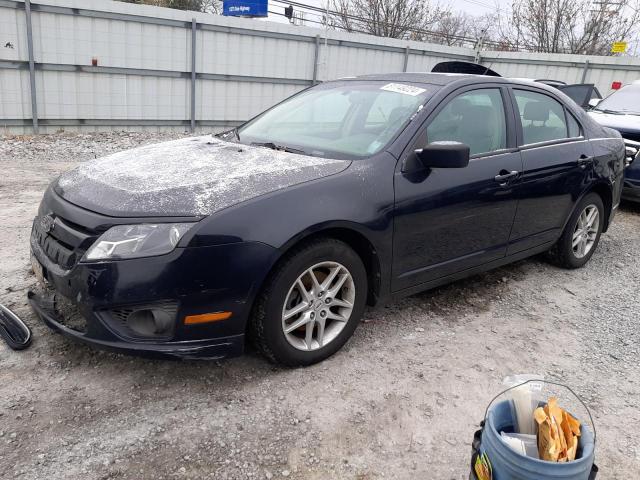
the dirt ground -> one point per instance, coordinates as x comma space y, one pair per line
401, 400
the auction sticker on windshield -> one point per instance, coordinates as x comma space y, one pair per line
402, 88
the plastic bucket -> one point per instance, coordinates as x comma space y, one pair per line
510, 465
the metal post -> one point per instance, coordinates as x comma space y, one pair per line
479, 46
193, 74
32, 72
584, 72
406, 59
316, 59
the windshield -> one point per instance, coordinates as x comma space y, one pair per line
346, 119
626, 100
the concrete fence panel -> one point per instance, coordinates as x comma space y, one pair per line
99, 64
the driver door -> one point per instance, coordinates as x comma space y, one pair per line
448, 220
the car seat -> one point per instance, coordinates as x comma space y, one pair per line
478, 129
536, 130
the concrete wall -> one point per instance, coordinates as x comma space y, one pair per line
569, 68
144, 74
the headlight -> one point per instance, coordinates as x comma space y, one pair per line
135, 241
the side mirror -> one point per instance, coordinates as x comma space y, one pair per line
594, 102
444, 155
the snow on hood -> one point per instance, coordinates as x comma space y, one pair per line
624, 122
187, 177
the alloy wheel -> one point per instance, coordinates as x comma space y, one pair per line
586, 231
318, 306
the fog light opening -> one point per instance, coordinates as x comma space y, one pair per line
150, 322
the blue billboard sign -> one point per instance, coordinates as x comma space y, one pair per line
245, 8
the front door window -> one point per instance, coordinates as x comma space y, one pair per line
475, 118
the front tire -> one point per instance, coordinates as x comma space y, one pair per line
581, 234
311, 304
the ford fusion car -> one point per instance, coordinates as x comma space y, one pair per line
621, 111
354, 192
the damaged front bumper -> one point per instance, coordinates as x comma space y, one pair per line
44, 306
94, 302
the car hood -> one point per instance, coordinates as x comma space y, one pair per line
624, 122
189, 177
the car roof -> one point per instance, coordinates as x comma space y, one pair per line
418, 77
445, 79
546, 81
442, 79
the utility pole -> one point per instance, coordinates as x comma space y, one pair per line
326, 41
479, 45
603, 11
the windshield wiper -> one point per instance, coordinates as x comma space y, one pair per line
282, 148
228, 134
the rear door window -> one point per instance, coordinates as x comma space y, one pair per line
542, 117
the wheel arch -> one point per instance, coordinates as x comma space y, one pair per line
605, 191
352, 236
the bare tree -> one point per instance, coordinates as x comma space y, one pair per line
451, 29
461, 29
212, 6
569, 26
208, 6
598, 28
385, 18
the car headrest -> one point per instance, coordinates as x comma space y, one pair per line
536, 112
460, 105
479, 119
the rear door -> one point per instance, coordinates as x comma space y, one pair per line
557, 162
450, 219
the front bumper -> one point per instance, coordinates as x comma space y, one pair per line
631, 193
201, 349
631, 185
193, 280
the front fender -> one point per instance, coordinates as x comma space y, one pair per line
362, 195
359, 199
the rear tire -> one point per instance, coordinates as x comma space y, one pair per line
581, 234
298, 321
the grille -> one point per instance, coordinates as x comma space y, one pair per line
63, 243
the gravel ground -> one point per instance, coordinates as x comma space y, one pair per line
401, 400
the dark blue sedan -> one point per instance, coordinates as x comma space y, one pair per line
621, 111
353, 192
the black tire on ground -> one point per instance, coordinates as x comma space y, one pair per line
562, 253
266, 331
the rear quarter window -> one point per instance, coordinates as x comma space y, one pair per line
573, 126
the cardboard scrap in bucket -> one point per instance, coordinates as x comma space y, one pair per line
558, 433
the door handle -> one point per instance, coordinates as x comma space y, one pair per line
504, 176
584, 160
